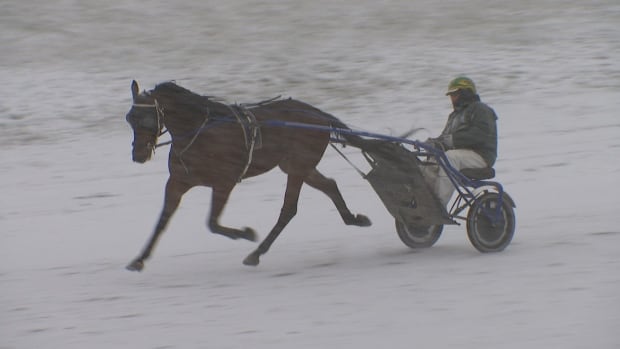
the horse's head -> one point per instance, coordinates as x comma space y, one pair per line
145, 118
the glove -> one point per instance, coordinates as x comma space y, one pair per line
443, 142
435, 143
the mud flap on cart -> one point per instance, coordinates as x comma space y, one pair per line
397, 178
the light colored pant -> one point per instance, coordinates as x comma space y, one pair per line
459, 159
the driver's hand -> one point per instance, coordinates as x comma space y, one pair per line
435, 143
442, 142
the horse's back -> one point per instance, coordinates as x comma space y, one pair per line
290, 109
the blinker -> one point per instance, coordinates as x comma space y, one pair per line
143, 119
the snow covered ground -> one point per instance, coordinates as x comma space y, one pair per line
75, 209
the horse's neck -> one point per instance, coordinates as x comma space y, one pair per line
182, 126
185, 125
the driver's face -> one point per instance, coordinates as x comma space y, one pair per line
454, 97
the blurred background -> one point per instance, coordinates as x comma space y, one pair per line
66, 65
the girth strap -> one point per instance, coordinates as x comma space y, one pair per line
251, 133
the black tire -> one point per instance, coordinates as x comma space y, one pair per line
483, 234
418, 236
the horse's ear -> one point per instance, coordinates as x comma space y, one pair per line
135, 90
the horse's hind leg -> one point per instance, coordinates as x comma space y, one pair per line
289, 210
174, 191
330, 188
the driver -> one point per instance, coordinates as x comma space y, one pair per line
469, 138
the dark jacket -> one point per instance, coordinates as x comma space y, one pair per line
472, 125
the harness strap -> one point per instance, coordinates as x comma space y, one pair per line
255, 139
191, 142
248, 123
347, 160
255, 134
246, 120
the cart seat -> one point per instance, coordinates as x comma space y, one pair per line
478, 173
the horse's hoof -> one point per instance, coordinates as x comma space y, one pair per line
362, 221
249, 234
136, 265
252, 259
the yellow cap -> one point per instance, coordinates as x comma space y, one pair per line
461, 83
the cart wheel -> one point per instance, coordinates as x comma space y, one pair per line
418, 236
484, 234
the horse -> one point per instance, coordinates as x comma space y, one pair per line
215, 144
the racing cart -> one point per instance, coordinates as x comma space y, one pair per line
397, 176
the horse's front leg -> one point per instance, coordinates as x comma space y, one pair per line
220, 196
174, 192
289, 210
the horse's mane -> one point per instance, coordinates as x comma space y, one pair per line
184, 98
171, 89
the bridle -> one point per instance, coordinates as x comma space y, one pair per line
159, 119
161, 131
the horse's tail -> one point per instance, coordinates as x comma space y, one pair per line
348, 137
335, 122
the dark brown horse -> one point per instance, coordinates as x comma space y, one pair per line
216, 145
